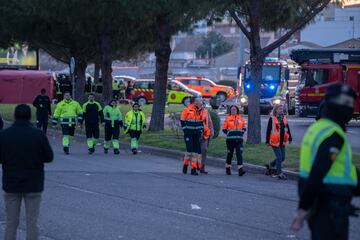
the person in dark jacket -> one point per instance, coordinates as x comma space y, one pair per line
23, 152
277, 136
42, 104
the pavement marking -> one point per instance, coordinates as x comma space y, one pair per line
195, 207
78, 189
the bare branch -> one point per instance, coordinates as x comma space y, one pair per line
310, 15
239, 23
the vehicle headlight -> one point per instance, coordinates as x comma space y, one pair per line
243, 100
276, 101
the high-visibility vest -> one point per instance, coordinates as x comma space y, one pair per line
275, 132
193, 118
234, 124
68, 112
115, 86
112, 114
134, 120
342, 171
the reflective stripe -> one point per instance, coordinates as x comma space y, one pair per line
316, 142
234, 137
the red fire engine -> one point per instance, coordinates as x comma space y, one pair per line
320, 69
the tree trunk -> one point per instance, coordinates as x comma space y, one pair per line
162, 53
80, 78
97, 66
106, 64
256, 61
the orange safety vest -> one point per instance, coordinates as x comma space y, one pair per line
235, 125
275, 132
193, 118
207, 129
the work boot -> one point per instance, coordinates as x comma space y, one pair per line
134, 151
194, 172
106, 150
90, 151
228, 171
202, 170
185, 168
116, 151
66, 150
241, 172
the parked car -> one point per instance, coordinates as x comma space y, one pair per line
207, 87
177, 93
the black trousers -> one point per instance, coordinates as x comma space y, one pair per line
92, 131
67, 130
192, 141
42, 121
234, 145
329, 223
112, 132
135, 134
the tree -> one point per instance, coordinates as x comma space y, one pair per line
213, 45
252, 16
167, 17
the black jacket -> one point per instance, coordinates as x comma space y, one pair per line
42, 104
23, 152
1, 123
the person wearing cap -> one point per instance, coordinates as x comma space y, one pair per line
234, 127
112, 123
134, 124
328, 178
278, 134
42, 104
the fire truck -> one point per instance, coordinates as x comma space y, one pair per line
320, 69
275, 87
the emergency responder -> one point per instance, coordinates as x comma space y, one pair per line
123, 89
234, 127
192, 122
134, 124
112, 122
99, 86
116, 89
68, 112
89, 85
92, 114
328, 178
205, 140
42, 104
277, 136
65, 84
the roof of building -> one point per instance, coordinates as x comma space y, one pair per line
350, 43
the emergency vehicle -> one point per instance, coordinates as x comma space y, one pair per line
322, 68
274, 86
177, 93
207, 87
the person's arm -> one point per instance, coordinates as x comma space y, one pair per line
268, 131
48, 154
289, 132
36, 102
225, 126
325, 156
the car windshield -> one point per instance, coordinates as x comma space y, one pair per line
269, 73
181, 86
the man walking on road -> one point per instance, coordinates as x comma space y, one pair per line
328, 178
68, 112
93, 114
42, 104
23, 152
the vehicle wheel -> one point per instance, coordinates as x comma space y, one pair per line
222, 96
142, 101
186, 101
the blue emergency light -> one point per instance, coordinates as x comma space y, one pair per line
272, 87
248, 86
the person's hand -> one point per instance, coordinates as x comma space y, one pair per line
299, 219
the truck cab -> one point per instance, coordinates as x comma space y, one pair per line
321, 68
274, 85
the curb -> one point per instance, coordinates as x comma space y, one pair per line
178, 155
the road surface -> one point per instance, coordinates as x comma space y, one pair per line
298, 128
107, 197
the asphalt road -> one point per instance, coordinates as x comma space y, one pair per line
145, 197
298, 128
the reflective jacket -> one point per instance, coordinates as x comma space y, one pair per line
234, 126
68, 112
92, 112
275, 134
134, 120
193, 118
208, 125
112, 116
